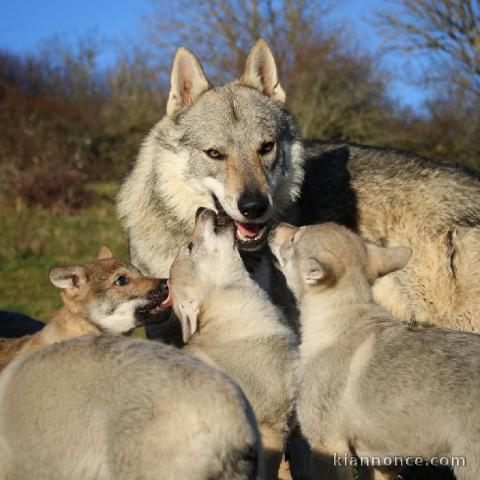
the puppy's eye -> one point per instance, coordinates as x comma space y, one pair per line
215, 154
121, 280
266, 147
190, 246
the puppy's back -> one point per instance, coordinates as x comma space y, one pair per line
432, 362
428, 379
116, 408
9, 348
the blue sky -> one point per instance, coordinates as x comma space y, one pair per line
24, 24
359, 14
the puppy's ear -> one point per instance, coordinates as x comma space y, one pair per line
66, 278
261, 72
386, 260
313, 271
188, 81
189, 309
104, 254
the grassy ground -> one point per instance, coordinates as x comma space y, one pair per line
33, 240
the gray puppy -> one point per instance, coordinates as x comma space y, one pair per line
229, 321
368, 384
110, 408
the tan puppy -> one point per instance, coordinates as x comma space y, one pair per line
104, 296
368, 384
229, 321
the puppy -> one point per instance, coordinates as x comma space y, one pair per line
112, 408
367, 384
104, 296
228, 321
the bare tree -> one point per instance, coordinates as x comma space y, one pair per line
222, 31
447, 31
334, 90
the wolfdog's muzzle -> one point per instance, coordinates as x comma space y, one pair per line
250, 237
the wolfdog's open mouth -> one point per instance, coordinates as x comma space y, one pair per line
249, 236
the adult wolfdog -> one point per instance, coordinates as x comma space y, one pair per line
237, 149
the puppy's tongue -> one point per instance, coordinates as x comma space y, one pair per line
249, 231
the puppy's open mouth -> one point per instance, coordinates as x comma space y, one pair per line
157, 310
249, 236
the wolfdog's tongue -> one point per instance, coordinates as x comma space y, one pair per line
249, 231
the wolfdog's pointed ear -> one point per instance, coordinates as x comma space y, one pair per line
261, 71
104, 254
386, 260
187, 79
68, 277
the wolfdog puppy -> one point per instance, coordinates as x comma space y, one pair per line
112, 408
107, 295
368, 384
229, 321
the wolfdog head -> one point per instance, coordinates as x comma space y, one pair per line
209, 262
233, 148
317, 258
110, 293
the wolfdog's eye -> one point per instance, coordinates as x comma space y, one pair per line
190, 246
215, 154
121, 280
266, 147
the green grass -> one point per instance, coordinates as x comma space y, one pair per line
32, 240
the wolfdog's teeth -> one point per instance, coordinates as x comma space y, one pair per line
240, 235
244, 238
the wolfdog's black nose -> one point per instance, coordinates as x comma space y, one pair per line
253, 205
199, 211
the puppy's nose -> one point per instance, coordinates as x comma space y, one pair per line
253, 205
160, 292
282, 233
199, 211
